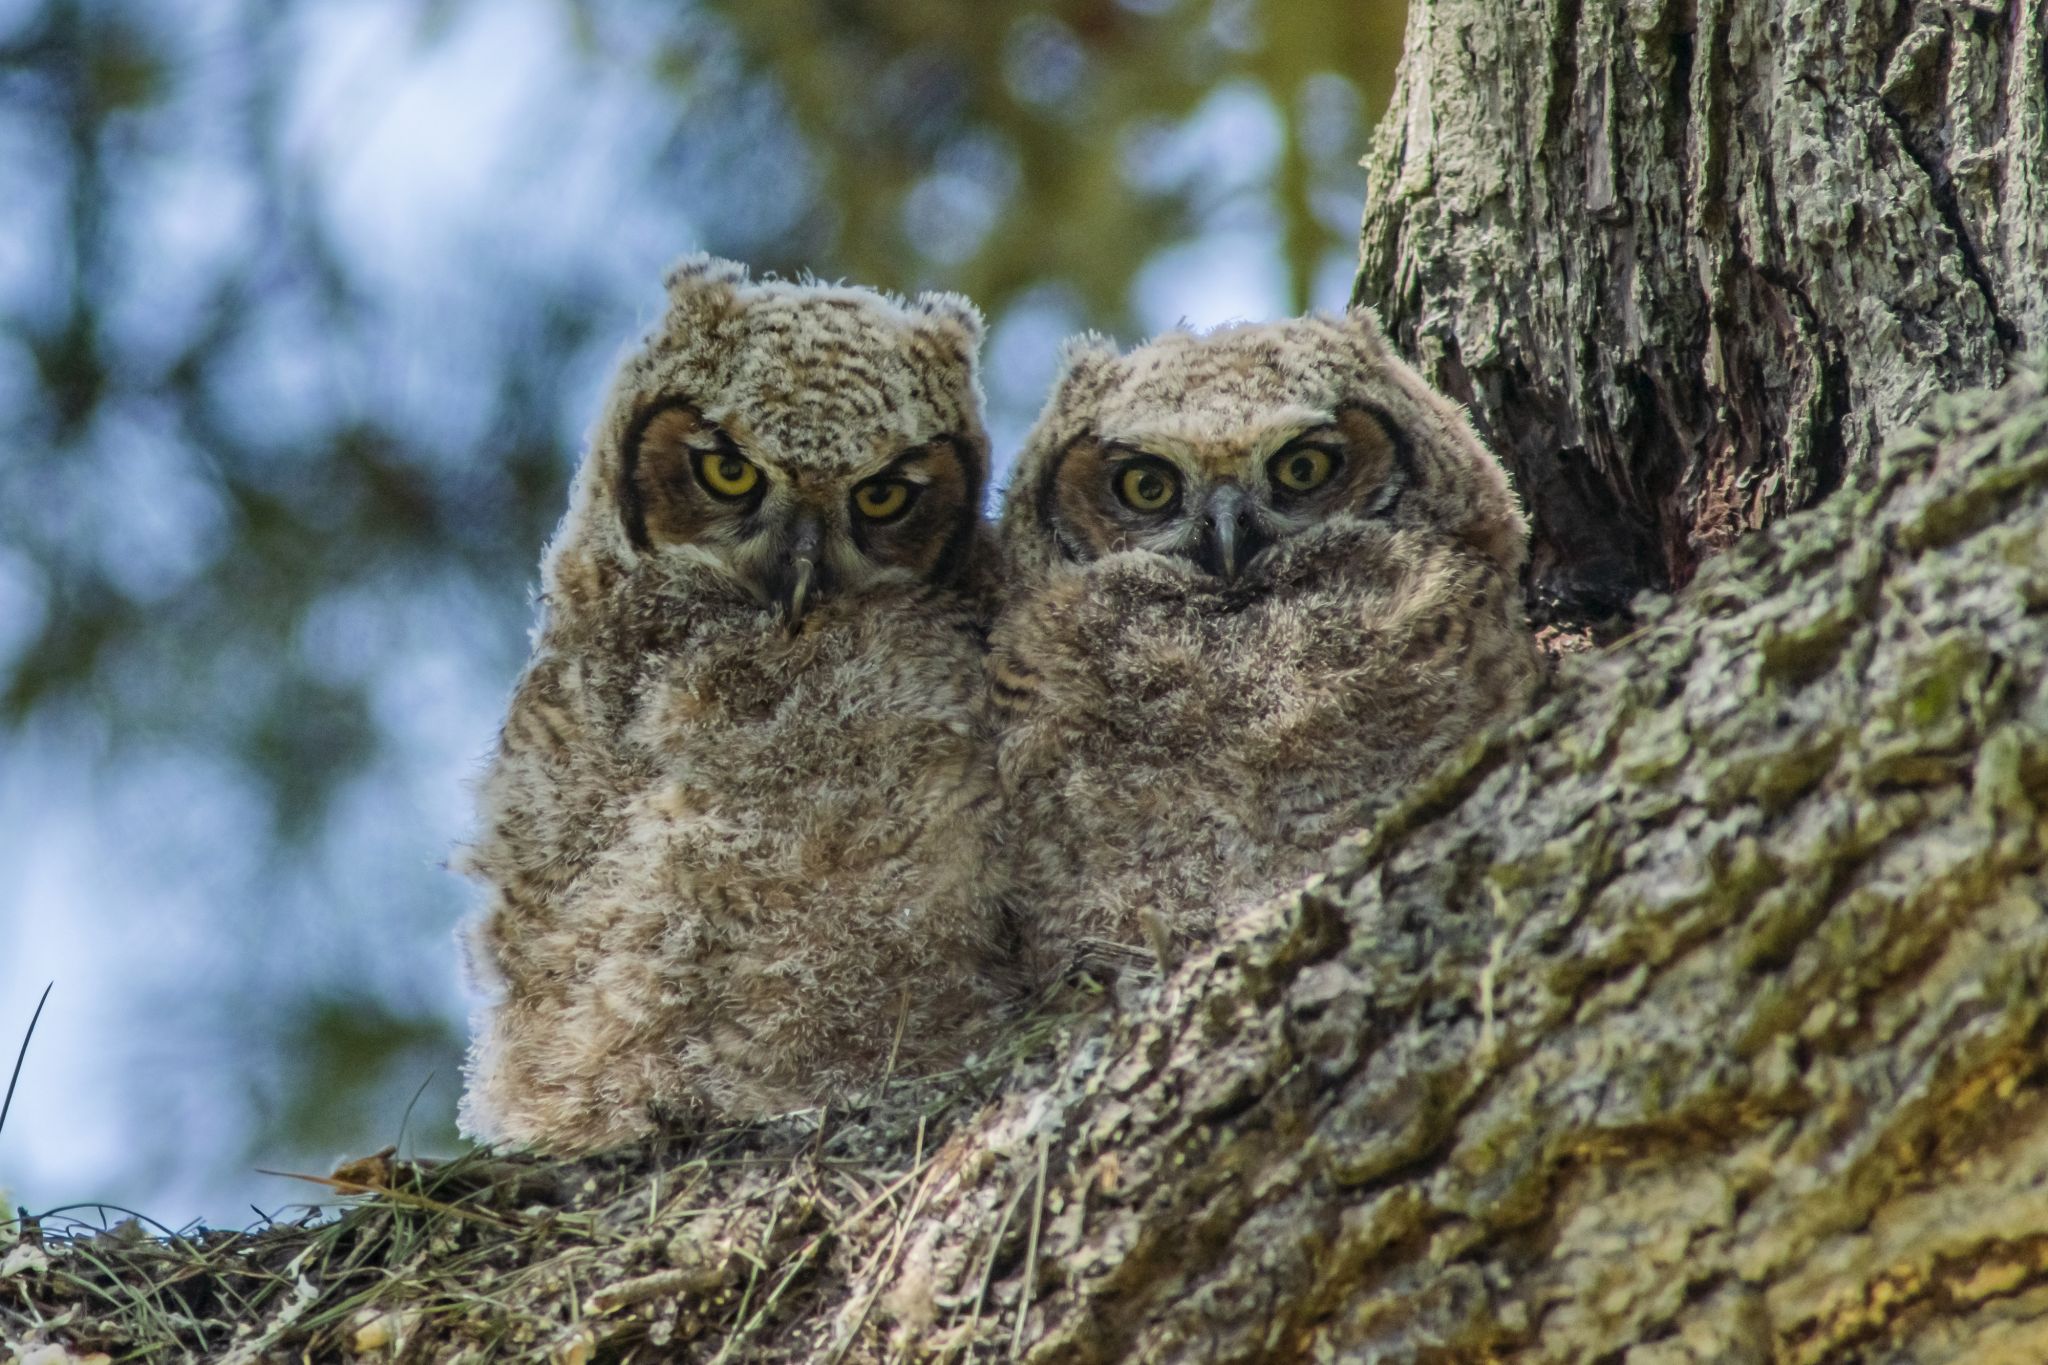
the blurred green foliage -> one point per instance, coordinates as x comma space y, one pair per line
240, 497
991, 148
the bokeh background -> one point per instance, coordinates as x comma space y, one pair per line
304, 306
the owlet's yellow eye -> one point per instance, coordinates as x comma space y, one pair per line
884, 499
1147, 487
1303, 468
726, 474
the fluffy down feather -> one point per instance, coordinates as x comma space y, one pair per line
1179, 743
734, 867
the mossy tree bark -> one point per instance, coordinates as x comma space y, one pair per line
1691, 261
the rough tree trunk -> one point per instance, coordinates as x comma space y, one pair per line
1701, 1017
1690, 261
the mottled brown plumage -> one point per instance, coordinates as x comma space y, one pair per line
1259, 582
734, 837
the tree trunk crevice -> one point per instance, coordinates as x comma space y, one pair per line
1690, 264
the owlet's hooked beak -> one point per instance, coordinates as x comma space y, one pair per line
799, 574
1230, 535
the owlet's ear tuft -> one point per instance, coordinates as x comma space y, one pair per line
1362, 322
701, 270
1088, 364
702, 285
952, 312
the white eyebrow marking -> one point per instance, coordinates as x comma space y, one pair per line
1279, 438
1180, 437
911, 465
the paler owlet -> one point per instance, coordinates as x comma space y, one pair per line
734, 836
1258, 582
